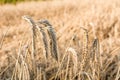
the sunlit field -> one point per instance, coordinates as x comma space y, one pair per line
60, 40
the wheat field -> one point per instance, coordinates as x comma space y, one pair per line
60, 40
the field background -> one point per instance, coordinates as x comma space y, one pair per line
99, 17
15, 1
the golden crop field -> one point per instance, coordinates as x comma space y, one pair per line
60, 40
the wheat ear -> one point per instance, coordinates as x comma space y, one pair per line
85, 49
52, 36
44, 38
32, 23
96, 58
74, 58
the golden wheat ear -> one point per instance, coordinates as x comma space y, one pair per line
94, 48
29, 19
32, 23
52, 37
85, 48
44, 38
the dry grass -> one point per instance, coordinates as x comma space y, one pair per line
72, 40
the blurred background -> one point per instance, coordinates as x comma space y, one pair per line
15, 1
